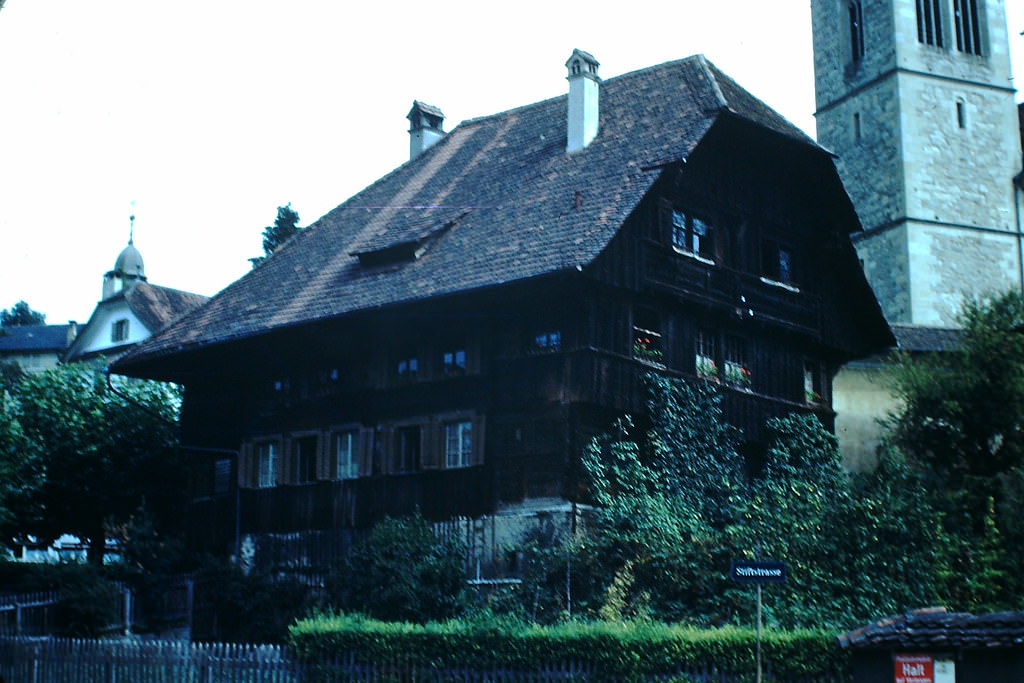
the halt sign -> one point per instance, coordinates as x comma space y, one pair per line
922, 669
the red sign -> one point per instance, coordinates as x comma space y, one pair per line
914, 669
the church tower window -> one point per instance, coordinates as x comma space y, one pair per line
929, 22
856, 11
968, 26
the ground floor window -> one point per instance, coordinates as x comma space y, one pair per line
345, 455
266, 464
458, 450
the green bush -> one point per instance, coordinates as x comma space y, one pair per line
622, 650
401, 571
248, 608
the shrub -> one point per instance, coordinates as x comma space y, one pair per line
402, 571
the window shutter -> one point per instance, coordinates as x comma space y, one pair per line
432, 453
478, 441
365, 457
284, 473
323, 449
245, 478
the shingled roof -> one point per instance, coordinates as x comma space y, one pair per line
934, 627
496, 200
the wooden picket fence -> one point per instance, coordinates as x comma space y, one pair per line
31, 614
72, 660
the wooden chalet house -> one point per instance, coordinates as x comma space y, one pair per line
450, 337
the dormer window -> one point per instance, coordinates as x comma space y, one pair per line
691, 235
119, 330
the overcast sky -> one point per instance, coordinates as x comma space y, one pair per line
202, 117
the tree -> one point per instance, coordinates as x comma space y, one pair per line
961, 424
677, 503
285, 226
94, 453
21, 314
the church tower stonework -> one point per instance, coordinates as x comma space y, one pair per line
915, 97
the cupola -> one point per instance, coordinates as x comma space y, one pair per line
128, 268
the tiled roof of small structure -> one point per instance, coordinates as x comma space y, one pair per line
935, 628
33, 338
496, 200
923, 338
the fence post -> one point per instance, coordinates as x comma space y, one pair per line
17, 617
127, 611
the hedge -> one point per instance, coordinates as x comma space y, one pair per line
630, 650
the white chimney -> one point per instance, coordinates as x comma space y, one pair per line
425, 127
584, 88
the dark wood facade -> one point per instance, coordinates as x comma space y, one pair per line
732, 267
535, 368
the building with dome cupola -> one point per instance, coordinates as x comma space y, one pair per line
130, 310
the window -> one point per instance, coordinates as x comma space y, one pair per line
454, 362
407, 449
706, 354
691, 235
856, 12
458, 444
302, 468
345, 455
735, 370
407, 368
968, 26
961, 114
929, 22
547, 341
119, 330
647, 343
265, 456
778, 263
813, 387
856, 127
221, 476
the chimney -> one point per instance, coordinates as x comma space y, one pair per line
584, 88
425, 128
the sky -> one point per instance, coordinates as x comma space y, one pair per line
201, 118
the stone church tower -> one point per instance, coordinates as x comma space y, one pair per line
916, 99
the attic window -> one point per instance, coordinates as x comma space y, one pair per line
691, 235
454, 362
119, 330
547, 341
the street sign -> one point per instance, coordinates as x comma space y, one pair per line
758, 571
